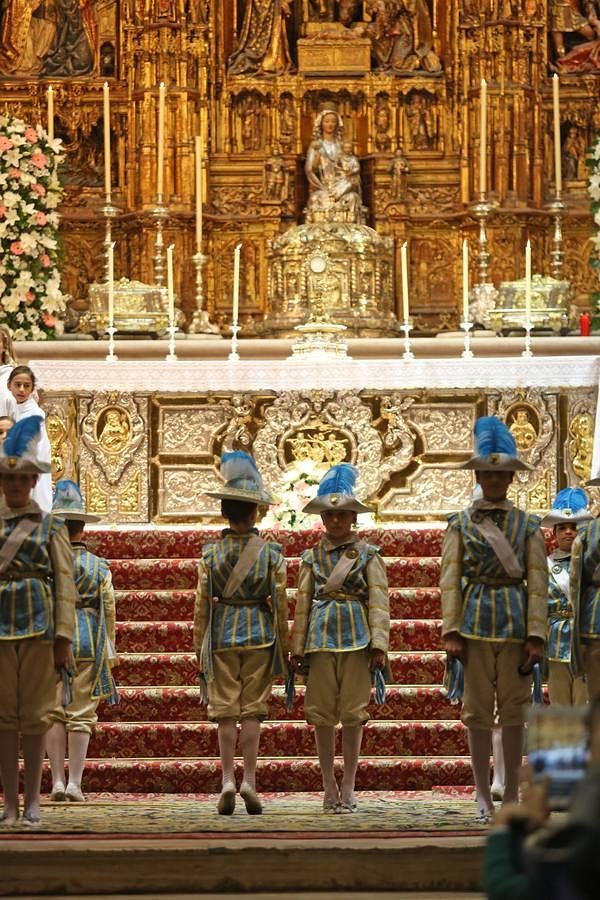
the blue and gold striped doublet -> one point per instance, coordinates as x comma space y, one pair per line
352, 618
26, 599
493, 612
560, 615
245, 621
585, 583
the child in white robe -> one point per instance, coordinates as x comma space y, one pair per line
21, 384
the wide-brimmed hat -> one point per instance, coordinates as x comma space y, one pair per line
336, 491
68, 503
242, 480
20, 451
570, 506
495, 448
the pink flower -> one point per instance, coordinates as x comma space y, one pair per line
38, 159
45, 260
17, 248
3, 211
48, 320
15, 173
5, 143
31, 135
38, 189
29, 297
41, 218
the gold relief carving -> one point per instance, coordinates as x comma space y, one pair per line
57, 434
113, 430
539, 497
430, 492
317, 443
446, 428
62, 434
129, 497
525, 433
191, 430
580, 445
96, 498
182, 492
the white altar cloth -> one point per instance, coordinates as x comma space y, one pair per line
194, 376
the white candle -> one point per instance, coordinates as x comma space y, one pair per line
50, 113
161, 141
236, 284
170, 291
404, 265
557, 147
111, 284
465, 280
107, 186
528, 282
198, 158
483, 138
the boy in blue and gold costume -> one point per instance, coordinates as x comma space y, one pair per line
37, 617
240, 625
566, 685
93, 651
494, 586
341, 626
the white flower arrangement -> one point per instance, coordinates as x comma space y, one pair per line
30, 192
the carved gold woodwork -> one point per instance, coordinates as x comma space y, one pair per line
579, 440
114, 431
61, 426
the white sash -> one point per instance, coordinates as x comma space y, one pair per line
11, 545
501, 547
561, 578
246, 560
342, 568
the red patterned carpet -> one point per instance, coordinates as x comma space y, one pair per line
158, 740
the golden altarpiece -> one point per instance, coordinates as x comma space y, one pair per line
252, 78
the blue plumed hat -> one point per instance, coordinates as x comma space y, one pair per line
20, 451
68, 502
570, 505
242, 480
336, 491
495, 448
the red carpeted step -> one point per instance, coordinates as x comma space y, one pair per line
419, 668
141, 606
175, 776
182, 704
177, 637
170, 543
279, 739
181, 574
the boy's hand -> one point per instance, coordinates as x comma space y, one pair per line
377, 660
456, 646
534, 653
62, 651
297, 663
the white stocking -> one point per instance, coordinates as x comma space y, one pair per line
480, 747
9, 773
512, 744
227, 732
78, 745
498, 755
34, 750
325, 740
249, 740
351, 741
56, 747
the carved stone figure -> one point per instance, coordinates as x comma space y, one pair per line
251, 124
420, 123
333, 174
287, 123
383, 140
319, 10
263, 47
399, 170
275, 178
581, 444
402, 36
47, 37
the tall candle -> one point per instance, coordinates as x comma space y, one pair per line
557, 147
170, 291
161, 141
528, 282
404, 266
198, 158
50, 113
107, 186
483, 138
465, 280
111, 284
236, 284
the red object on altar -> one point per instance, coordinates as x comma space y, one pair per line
585, 324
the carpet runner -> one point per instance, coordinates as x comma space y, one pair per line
158, 740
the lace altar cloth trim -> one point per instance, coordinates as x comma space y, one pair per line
193, 376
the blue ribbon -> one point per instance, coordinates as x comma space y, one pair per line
66, 677
290, 688
536, 674
378, 679
454, 680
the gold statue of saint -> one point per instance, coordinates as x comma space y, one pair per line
263, 47
523, 431
115, 433
581, 444
333, 174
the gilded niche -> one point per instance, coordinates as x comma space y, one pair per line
113, 429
